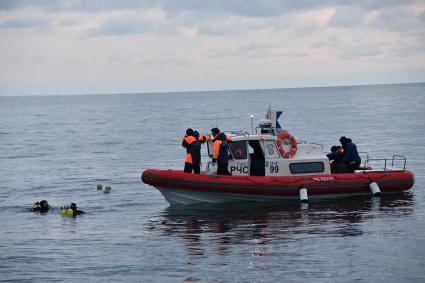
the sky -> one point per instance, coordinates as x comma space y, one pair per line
124, 46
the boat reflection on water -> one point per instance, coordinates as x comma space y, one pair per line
261, 224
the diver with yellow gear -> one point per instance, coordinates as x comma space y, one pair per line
71, 210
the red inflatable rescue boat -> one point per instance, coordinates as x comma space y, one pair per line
272, 166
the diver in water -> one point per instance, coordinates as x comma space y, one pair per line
42, 206
71, 210
74, 208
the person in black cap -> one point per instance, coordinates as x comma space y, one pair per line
187, 143
75, 210
221, 151
195, 152
336, 156
351, 156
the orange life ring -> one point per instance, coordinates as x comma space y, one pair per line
288, 137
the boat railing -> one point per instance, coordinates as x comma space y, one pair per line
237, 132
389, 164
314, 143
364, 153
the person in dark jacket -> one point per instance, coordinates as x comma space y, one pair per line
192, 142
351, 156
187, 142
195, 152
336, 156
221, 151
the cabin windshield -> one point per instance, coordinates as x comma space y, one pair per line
239, 149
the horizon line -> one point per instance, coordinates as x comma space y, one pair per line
216, 90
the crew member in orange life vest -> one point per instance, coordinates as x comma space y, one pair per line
221, 151
192, 142
187, 142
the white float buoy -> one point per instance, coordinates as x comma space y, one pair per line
303, 195
99, 187
374, 188
107, 189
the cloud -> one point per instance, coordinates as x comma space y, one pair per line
166, 60
398, 20
346, 17
361, 50
120, 26
171, 43
257, 51
133, 22
247, 8
24, 22
244, 51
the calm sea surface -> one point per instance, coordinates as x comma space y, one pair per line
59, 147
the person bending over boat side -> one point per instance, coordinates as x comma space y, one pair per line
221, 151
351, 155
187, 142
336, 156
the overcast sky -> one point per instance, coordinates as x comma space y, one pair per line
121, 46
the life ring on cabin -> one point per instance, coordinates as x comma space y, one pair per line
285, 138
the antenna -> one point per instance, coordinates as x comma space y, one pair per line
252, 123
269, 112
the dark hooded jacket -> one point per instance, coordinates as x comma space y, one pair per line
350, 153
221, 141
195, 149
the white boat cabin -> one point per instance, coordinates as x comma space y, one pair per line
259, 155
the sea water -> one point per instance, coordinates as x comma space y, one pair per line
59, 148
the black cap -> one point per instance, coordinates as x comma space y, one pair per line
189, 132
343, 140
215, 130
73, 205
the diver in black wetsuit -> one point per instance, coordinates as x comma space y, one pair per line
42, 206
76, 211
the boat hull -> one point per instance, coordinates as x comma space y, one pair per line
183, 188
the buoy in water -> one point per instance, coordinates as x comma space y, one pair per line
303, 195
99, 187
374, 188
107, 189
